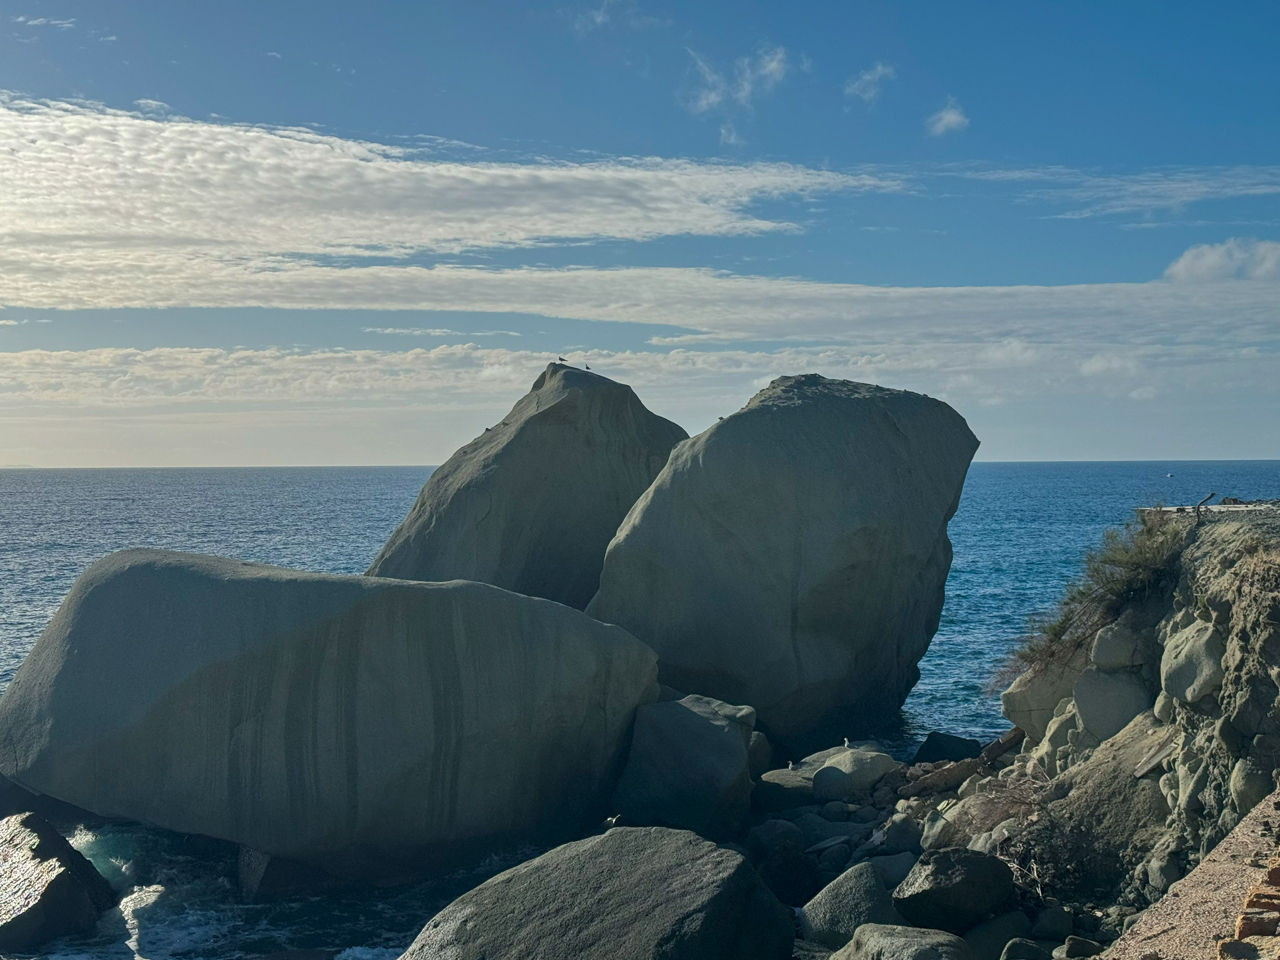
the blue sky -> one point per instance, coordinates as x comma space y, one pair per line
249, 233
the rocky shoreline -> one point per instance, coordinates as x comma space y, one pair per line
754, 597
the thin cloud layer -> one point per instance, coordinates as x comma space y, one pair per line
950, 119
866, 85
84, 177
1235, 259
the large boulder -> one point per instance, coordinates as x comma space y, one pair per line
352, 723
629, 894
688, 767
47, 888
855, 897
953, 889
881, 941
793, 555
1106, 702
531, 504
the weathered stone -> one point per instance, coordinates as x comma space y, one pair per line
855, 897
360, 724
1163, 708
793, 555
688, 767
1191, 667
1250, 782
531, 504
1076, 947
1117, 647
953, 889
1024, 949
1030, 701
850, 771
772, 835
759, 754
627, 894
1052, 923
782, 789
989, 938
902, 834
834, 858
943, 746
875, 941
1106, 702
47, 888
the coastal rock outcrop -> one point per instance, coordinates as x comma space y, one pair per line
358, 724
47, 888
628, 894
793, 555
531, 504
688, 767
879, 941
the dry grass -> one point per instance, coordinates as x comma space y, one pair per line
1133, 564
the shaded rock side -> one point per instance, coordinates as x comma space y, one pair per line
531, 504
793, 555
47, 888
854, 898
688, 767
345, 722
953, 889
629, 894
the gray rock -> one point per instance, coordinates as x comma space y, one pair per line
1106, 702
1250, 782
855, 897
629, 894
893, 869
835, 811
759, 754
358, 724
804, 950
793, 555
783, 789
902, 834
1024, 949
1163, 872
850, 771
531, 504
834, 858
1117, 647
688, 767
1191, 667
943, 746
1031, 700
773, 835
1077, 947
47, 888
988, 939
874, 941
1052, 923
953, 889
793, 877
1163, 708
940, 831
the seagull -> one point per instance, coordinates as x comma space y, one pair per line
587, 365
846, 743
789, 765
561, 359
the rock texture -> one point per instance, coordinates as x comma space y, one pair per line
347, 722
629, 894
688, 767
855, 897
531, 504
47, 889
953, 889
793, 555
875, 941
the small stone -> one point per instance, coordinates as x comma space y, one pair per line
943, 746
1052, 923
1077, 947
1023, 949
1164, 707
834, 857
901, 834
771, 836
835, 811
953, 889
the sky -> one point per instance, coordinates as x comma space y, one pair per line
258, 234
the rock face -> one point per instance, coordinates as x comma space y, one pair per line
688, 766
793, 555
47, 889
531, 504
629, 894
346, 722
953, 889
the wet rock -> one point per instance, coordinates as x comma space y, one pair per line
874, 941
988, 939
943, 746
687, 767
704, 567
953, 889
47, 888
641, 892
531, 504
855, 897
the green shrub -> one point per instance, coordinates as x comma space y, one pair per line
1133, 564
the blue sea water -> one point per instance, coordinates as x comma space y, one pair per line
1019, 538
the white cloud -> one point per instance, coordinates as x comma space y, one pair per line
83, 177
1102, 364
46, 22
866, 85
151, 106
729, 136
1235, 259
438, 332
272, 53
949, 119
752, 76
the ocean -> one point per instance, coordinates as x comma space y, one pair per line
1019, 537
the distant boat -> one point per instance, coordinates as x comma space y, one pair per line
1168, 474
